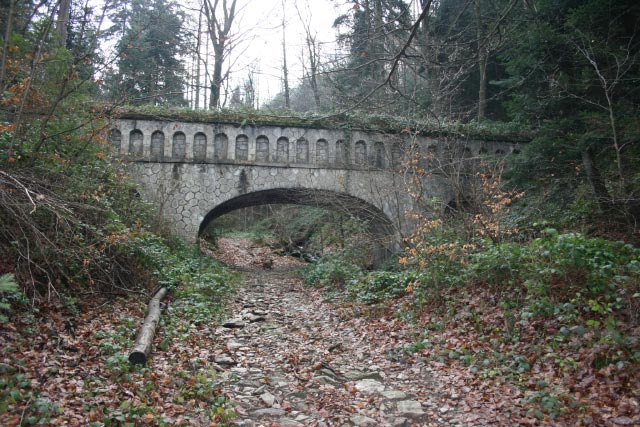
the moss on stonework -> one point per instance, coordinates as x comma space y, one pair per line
488, 131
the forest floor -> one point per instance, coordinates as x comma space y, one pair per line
283, 354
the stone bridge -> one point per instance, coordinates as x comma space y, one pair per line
193, 172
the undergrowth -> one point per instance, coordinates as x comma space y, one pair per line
556, 317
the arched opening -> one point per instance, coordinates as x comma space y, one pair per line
242, 148
135, 143
282, 150
221, 146
302, 151
379, 155
375, 223
342, 153
179, 146
396, 155
262, 149
322, 152
199, 147
157, 147
361, 153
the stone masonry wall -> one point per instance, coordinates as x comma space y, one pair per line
187, 169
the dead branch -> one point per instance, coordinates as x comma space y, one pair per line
144, 340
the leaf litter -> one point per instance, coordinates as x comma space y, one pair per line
307, 357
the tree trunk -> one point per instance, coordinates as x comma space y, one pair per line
197, 58
216, 80
144, 341
218, 31
482, 65
313, 66
285, 70
595, 179
5, 47
377, 43
63, 21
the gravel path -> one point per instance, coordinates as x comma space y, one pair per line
291, 358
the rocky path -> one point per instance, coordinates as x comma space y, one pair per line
291, 358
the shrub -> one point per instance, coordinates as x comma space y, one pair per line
380, 285
332, 270
594, 275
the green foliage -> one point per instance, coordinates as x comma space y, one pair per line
591, 266
380, 285
9, 290
17, 388
581, 60
387, 123
332, 270
201, 386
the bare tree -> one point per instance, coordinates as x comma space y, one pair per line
220, 16
285, 70
311, 68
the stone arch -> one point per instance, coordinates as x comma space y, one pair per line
136, 142
242, 147
282, 150
179, 146
115, 139
361, 153
199, 147
322, 152
220, 146
378, 222
262, 149
302, 151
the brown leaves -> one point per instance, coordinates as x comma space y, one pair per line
244, 253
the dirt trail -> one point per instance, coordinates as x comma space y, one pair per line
291, 358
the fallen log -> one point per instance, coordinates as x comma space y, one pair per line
144, 340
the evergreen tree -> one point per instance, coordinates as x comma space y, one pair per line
574, 69
371, 34
150, 70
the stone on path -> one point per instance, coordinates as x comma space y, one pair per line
361, 420
286, 422
369, 386
234, 345
268, 412
399, 422
394, 395
224, 360
268, 399
358, 375
409, 408
233, 324
255, 318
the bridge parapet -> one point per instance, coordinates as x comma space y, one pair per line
185, 142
